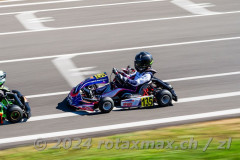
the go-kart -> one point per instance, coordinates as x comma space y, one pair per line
13, 106
88, 96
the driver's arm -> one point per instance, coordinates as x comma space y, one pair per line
132, 75
141, 80
1, 94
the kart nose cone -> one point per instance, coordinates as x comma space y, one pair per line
72, 94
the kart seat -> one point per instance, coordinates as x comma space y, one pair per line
141, 89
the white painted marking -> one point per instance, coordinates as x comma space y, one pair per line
53, 116
193, 7
37, 3
8, 1
83, 7
115, 23
70, 72
48, 94
120, 49
205, 5
83, 69
37, 20
207, 97
121, 126
203, 76
168, 80
183, 100
31, 22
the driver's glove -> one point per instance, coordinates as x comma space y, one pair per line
114, 70
122, 78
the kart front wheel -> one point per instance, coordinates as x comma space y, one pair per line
106, 105
14, 114
164, 98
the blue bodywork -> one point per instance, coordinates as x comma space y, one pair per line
75, 98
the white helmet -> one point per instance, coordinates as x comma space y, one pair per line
2, 78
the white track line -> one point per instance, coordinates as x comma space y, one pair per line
83, 7
115, 23
9, 1
203, 76
121, 49
37, 3
120, 126
183, 100
47, 94
207, 97
168, 80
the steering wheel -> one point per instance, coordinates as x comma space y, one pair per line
116, 72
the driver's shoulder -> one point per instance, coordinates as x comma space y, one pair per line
146, 73
151, 71
5, 88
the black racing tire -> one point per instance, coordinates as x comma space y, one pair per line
106, 104
14, 114
164, 98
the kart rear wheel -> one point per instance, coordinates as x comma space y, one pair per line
164, 98
106, 105
14, 114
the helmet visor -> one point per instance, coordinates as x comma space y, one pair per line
3, 76
139, 65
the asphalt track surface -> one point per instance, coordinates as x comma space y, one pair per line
107, 34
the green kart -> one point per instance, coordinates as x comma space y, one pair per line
13, 106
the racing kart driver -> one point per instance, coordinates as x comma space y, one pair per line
144, 74
143, 62
2, 81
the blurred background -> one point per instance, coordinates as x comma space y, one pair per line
49, 46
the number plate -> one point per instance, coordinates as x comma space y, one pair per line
100, 75
147, 101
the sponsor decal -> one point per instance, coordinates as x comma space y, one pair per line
127, 104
